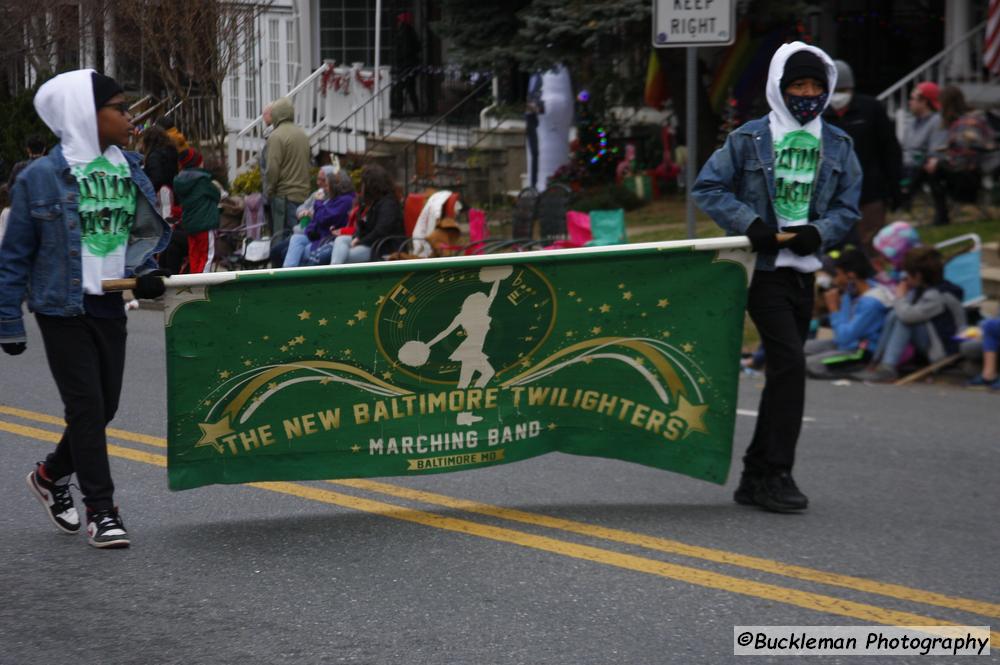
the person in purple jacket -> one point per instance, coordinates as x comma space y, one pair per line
330, 209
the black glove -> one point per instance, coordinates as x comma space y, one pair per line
806, 241
312, 235
13, 348
762, 237
150, 285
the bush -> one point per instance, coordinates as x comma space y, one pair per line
248, 182
607, 198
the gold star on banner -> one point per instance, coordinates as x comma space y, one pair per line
355, 448
351, 322
570, 333
284, 347
272, 385
701, 380
688, 347
571, 294
300, 339
207, 402
320, 353
322, 322
381, 299
662, 302
526, 362
665, 333
528, 338
692, 415
212, 432
551, 426
387, 375
627, 295
266, 337
605, 308
325, 380
644, 315
224, 374
304, 314
361, 314
347, 352
247, 363
579, 299
622, 285
292, 342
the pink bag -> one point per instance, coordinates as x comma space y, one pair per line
477, 225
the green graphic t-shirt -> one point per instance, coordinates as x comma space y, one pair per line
107, 212
796, 158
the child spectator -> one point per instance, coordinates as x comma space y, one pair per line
858, 306
927, 314
199, 196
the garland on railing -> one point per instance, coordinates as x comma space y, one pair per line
328, 78
367, 81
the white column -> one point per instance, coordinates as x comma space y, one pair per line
109, 40
88, 45
957, 22
378, 68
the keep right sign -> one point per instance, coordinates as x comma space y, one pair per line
693, 23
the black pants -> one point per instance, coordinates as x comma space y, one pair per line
87, 360
780, 305
531, 132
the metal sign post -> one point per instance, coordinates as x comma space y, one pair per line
690, 24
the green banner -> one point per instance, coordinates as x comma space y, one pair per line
417, 367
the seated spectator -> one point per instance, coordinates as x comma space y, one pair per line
927, 313
989, 342
956, 167
381, 219
857, 305
330, 207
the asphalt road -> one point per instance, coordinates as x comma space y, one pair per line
561, 559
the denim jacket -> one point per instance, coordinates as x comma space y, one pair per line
736, 185
42, 248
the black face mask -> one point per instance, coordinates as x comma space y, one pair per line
805, 109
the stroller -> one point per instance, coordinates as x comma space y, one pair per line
238, 243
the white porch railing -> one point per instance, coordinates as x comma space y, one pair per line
316, 110
939, 69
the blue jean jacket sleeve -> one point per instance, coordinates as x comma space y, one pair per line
843, 212
715, 190
20, 244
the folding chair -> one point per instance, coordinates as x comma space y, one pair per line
964, 268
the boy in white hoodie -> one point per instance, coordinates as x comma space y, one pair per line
82, 214
786, 172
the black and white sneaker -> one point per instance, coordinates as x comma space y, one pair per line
106, 530
56, 499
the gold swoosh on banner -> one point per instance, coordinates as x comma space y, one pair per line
650, 352
240, 401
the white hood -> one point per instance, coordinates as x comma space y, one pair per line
781, 120
66, 104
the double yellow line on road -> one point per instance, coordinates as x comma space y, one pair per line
691, 575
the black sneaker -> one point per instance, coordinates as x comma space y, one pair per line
779, 493
106, 530
744, 494
56, 499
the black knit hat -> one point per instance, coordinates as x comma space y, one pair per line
105, 88
801, 65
